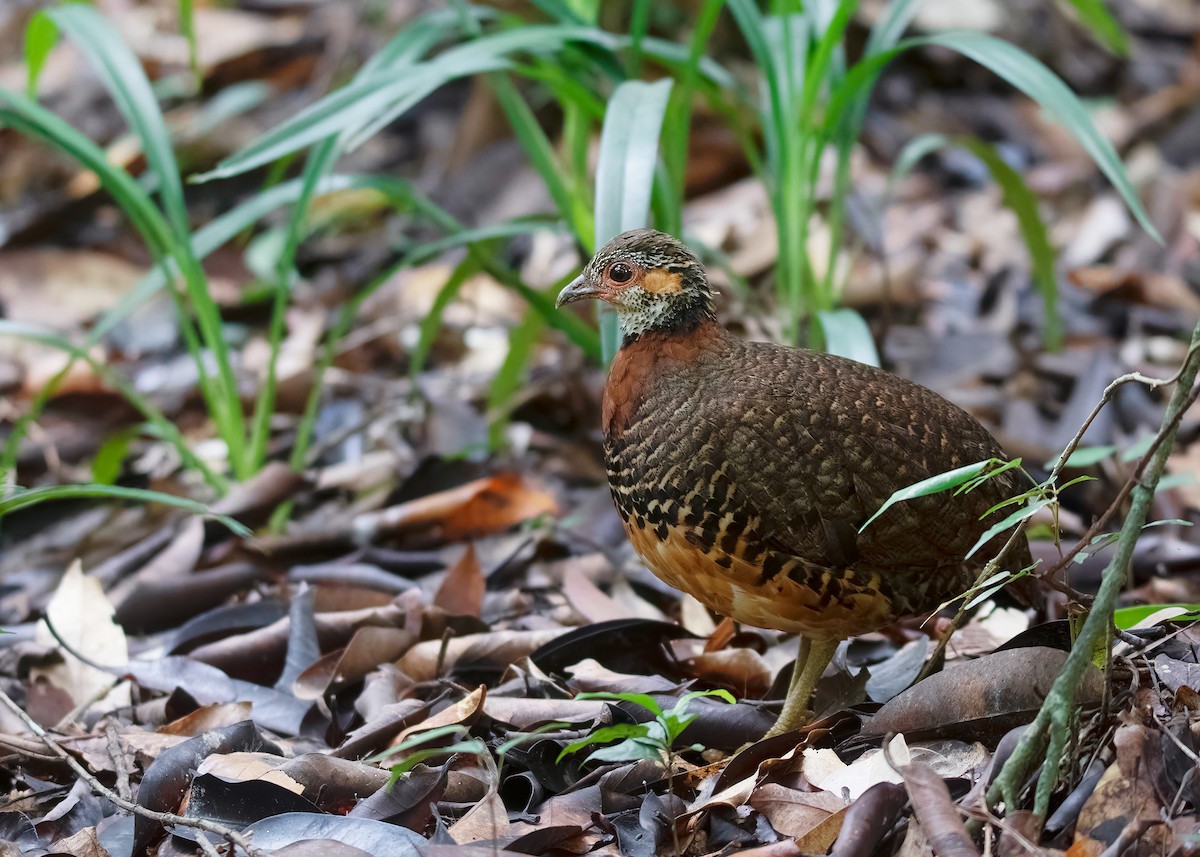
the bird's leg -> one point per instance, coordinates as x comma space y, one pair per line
814, 656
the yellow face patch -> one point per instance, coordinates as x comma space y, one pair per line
660, 281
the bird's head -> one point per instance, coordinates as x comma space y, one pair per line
651, 279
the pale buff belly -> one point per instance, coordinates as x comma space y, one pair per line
779, 603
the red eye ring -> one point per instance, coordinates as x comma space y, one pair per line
620, 273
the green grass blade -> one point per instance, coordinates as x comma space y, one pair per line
890, 26
625, 171
363, 104
41, 35
125, 81
345, 111
1103, 26
933, 485
150, 412
829, 46
1021, 514
1023, 203
571, 200
430, 249
677, 123
432, 322
917, 149
24, 115
187, 27
511, 375
1035, 80
33, 496
419, 37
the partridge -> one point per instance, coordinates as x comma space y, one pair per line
744, 471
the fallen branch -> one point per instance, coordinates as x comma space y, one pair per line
164, 818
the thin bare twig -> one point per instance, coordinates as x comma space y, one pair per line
1045, 738
118, 759
1119, 500
165, 818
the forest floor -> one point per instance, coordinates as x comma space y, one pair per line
446, 572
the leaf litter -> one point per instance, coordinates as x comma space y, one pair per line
429, 598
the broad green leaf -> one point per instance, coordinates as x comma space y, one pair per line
847, 335
933, 485
644, 700
628, 154
632, 750
625, 172
605, 734
1127, 618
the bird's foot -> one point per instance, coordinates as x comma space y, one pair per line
788, 722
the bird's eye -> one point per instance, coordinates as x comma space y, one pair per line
620, 273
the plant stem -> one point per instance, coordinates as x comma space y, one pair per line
1046, 735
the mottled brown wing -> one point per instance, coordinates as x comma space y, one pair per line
816, 445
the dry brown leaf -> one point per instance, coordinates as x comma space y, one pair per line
461, 592
208, 717
742, 670
496, 648
463, 712
813, 817
244, 766
979, 698
83, 616
1149, 288
587, 598
483, 507
60, 288
222, 36
368, 648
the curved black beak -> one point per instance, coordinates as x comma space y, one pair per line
577, 290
